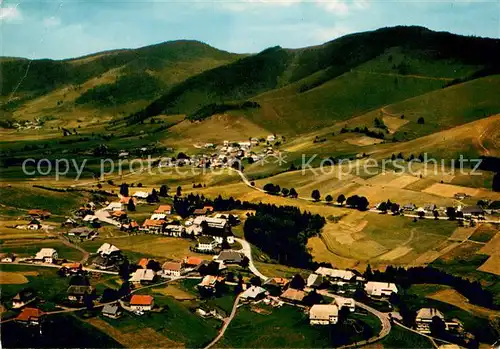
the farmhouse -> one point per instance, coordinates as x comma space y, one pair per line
142, 276
323, 314
103, 263
336, 274
115, 206
46, 255
380, 289
315, 281
30, 317
216, 227
164, 209
175, 269
40, 214
254, 293
209, 282
230, 257
112, 311
72, 268
77, 293
90, 218
206, 244
293, 295
174, 230
70, 222
141, 302
140, 194
83, 233
23, 297
424, 319
192, 261
153, 226
470, 211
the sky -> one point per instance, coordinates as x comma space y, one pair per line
69, 28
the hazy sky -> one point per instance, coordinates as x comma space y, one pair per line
62, 29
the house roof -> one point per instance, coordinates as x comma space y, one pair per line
314, 280
125, 199
230, 256
206, 240
377, 287
163, 208
278, 281
143, 275
343, 301
200, 211
429, 313
472, 209
174, 266
323, 311
335, 273
118, 213
36, 212
111, 309
140, 194
153, 223
210, 280
143, 262
72, 265
141, 300
107, 249
79, 290
29, 313
45, 252
293, 294
89, 218
193, 260
253, 292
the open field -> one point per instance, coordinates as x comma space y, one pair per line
12, 278
484, 233
492, 265
492, 247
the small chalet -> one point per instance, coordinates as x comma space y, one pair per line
118, 215
73, 268
424, 319
112, 311
293, 295
23, 297
336, 274
30, 317
83, 233
141, 302
103, 263
140, 195
217, 227
76, 293
90, 218
192, 262
254, 293
209, 282
323, 314
70, 222
153, 226
164, 209
142, 276
345, 302
46, 255
230, 257
175, 269
132, 226
40, 214
380, 289
115, 206
206, 244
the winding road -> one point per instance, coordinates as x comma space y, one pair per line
247, 251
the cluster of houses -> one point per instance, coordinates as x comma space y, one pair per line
35, 217
225, 154
465, 212
45, 255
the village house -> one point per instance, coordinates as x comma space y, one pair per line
72, 268
23, 297
158, 217
39, 214
112, 311
174, 269
424, 319
315, 281
324, 314
253, 293
192, 262
69, 222
76, 293
206, 244
91, 219
141, 302
103, 263
472, 211
380, 289
293, 296
164, 209
140, 195
218, 228
174, 230
8, 258
153, 226
118, 215
210, 281
83, 233
230, 257
46, 255
342, 302
30, 317
130, 227
141, 276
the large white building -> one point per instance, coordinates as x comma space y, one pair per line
380, 289
46, 255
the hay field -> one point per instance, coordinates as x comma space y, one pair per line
451, 296
363, 141
10, 278
492, 247
492, 265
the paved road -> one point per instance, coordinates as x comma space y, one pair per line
247, 251
227, 321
